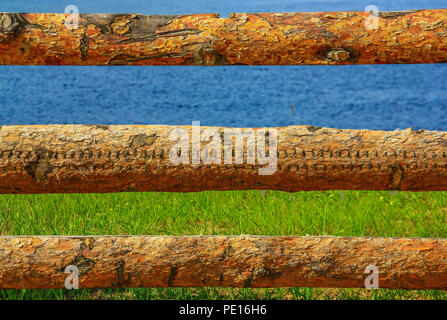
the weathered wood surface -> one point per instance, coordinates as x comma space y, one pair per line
116, 158
417, 36
223, 261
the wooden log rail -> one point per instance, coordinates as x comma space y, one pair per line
417, 36
224, 261
116, 158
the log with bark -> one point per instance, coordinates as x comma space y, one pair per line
223, 261
116, 158
417, 36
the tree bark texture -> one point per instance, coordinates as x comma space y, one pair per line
116, 158
222, 261
417, 36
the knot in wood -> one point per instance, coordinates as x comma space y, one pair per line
338, 55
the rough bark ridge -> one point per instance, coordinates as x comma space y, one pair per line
115, 158
242, 261
417, 36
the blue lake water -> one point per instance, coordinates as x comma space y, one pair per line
373, 97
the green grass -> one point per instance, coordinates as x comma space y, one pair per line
348, 213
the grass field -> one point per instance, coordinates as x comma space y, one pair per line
348, 213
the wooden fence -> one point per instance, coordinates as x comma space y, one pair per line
97, 158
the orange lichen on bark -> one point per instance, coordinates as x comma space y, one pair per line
116, 158
417, 36
222, 261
